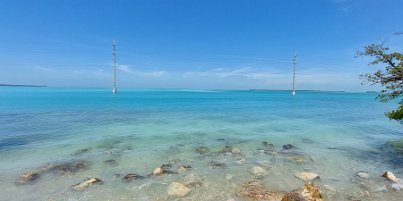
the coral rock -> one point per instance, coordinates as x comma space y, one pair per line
255, 190
311, 192
27, 177
390, 176
157, 171
307, 176
87, 183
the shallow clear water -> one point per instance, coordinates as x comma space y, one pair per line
336, 134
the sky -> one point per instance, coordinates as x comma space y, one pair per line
195, 44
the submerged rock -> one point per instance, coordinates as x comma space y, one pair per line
390, 176
307, 176
226, 150
396, 145
177, 189
258, 171
87, 183
288, 146
297, 158
308, 141
256, 191
109, 144
47, 167
130, 177
266, 144
215, 164
81, 151
268, 150
111, 163
363, 175
27, 178
173, 168
174, 148
260, 150
192, 180
235, 150
202, 150
71, 167
166, 169
184, 168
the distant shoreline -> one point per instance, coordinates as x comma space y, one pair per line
185, 89
20, 85
301, 90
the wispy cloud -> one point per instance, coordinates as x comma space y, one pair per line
45, 69
315, 77
96, 73
275, 77
343, 5
134, 71
232, 73
340, 1
242, 73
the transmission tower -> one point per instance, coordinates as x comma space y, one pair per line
114, 66
293, 81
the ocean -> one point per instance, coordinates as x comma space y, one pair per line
69, 134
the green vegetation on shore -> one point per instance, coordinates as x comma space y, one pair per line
391, 78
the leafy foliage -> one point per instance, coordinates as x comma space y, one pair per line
390, 78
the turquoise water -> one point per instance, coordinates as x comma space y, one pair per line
336, 134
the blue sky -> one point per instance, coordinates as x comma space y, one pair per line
216, 44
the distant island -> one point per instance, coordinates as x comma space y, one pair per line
304, 90
20, 85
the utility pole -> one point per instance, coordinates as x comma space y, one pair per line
293, 82
113, 66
